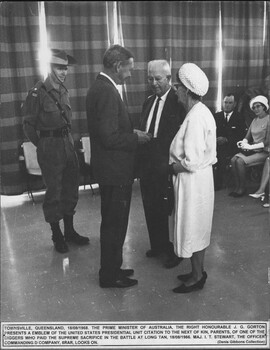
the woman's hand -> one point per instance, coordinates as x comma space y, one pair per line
242, 143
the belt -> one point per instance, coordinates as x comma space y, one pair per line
54, 133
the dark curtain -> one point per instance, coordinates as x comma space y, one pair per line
19, 32
244, 51
179, 31
79, 28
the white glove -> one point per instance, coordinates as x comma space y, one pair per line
255, 146
241, 143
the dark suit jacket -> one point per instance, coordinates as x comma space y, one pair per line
234, 130
113, 143
154, 156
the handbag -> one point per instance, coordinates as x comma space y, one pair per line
247, 152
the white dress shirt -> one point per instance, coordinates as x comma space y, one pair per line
160, 108
228, 115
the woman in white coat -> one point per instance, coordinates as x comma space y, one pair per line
192, 154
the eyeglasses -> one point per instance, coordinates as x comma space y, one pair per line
256, 106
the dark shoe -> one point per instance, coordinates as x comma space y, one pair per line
152, 253
187, 289
57, 238
172, 262
187, 276
70, 234
124, 282
61, 246
126, 273
76, 238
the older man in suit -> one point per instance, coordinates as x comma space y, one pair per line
161, 116
230, 129
113, 146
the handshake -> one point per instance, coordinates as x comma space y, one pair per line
143, 136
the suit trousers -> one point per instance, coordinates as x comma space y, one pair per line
60, 171
115, 207
156, 213
224, 153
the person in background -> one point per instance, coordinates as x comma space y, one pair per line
263, 190
47, 124
192, 155
113, 146
161, 117
230, 129
243, 106
253, 146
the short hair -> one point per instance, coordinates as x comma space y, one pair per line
115, 54
229, 95
163, 63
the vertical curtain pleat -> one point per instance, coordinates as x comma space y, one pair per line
19, 72
266, 55
243, 47
178, 31
79, 28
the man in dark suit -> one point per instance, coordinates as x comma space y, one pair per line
230, 129
162, 117
113, 147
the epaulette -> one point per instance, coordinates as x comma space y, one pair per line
34, 91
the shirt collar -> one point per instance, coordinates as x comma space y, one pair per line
50, 85
105, 75
163, 97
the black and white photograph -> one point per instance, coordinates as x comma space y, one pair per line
135, 164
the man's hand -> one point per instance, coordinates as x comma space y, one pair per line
143, 137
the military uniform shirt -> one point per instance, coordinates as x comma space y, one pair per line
41, 111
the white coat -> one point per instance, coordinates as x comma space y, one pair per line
195, 147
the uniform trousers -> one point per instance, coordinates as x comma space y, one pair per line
115, 207
60, 171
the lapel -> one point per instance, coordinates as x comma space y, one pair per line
106, 80
148, 106
232, 118
166, 111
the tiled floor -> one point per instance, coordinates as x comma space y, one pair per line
38, 284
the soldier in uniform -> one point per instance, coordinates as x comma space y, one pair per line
47, 124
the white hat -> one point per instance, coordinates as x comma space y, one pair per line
194, 78
261, 99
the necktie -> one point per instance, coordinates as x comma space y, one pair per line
227, 117
154, 117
